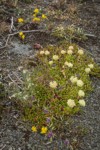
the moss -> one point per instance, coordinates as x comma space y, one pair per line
42, 101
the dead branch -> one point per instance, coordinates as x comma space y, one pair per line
12, 34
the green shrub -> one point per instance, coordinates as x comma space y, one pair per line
56, 87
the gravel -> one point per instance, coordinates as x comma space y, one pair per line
14, 134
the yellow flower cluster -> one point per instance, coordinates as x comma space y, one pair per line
34, 129
36, 14
22, 35
43, 129
20, 20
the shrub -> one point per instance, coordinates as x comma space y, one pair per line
56, 87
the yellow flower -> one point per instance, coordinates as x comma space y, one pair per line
44, 16
36, 11
34, 15
23, 37
20, 33
36, 19
53, 84
20, 20
44, 130
34, 129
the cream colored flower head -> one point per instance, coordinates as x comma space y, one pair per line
87, 70
47, 52
70, 65
66, 63
71, 103
82, 102
81, 93
70, 52
73, 79
55, 57
50, 62
80, 52
41, 52
71, 47
53, 84
63, 52
91, 66
25, 71
80, 83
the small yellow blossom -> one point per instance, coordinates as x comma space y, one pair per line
80, 52
36, 11
41, 52
91, 66
44, 16
47, 52
36, 19
34, 15
80, 83
55, 57
82, 102
53, 84
63, 52
44, 130
71, 103
20, 20
81, 93
87, 70
34, 129
23, 37
20, 33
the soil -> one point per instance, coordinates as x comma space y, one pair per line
15, 134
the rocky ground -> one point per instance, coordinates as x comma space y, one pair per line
15, 134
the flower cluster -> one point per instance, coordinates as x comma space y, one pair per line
43, 129
38, 16
22, 35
